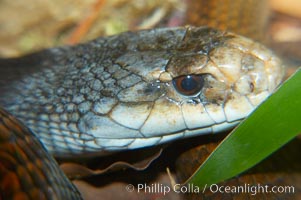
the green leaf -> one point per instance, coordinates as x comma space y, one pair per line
274, 123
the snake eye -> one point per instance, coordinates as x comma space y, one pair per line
188, 85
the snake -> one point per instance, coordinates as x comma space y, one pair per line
121, 92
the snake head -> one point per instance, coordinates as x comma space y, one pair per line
208, 82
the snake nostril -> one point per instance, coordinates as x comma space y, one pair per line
252, 87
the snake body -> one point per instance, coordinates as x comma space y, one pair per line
27, 171
133, 90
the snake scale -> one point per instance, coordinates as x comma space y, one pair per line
128, 91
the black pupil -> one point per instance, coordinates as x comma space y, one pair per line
189, 84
